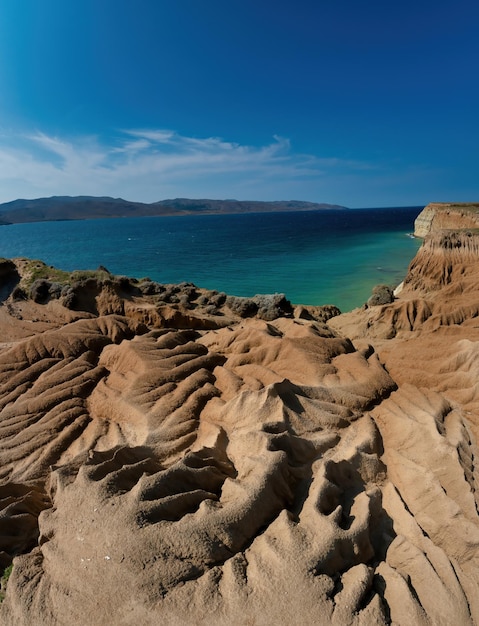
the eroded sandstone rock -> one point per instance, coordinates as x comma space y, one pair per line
164, 460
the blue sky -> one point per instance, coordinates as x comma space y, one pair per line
370, 103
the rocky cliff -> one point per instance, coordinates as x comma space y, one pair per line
442, 215
172, 455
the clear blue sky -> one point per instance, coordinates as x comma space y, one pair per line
371, 103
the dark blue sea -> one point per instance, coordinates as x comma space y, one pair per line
320, 257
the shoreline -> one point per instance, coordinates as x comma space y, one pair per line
312, 257
188, 453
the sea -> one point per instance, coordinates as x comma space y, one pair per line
316, 258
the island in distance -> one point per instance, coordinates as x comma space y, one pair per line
91, 207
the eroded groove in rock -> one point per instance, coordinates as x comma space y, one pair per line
155, 390
425, 468
20, 505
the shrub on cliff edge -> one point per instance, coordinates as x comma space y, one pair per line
382, 294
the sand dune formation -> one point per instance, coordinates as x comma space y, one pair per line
174, 456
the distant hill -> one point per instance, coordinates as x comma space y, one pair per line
89, 207
185, 205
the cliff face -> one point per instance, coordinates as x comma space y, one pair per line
440, 215
446, 258
164, 459
440, 290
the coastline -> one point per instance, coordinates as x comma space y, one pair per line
313, 257
184, 452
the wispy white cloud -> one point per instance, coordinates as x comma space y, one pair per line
158, 136
151, 164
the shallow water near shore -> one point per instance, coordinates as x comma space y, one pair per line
320, 257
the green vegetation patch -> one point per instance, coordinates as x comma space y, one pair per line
4, 581
35, 270
82, 275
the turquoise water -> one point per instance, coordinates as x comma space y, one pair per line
321, 257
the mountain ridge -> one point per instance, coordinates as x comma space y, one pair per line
57, 208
